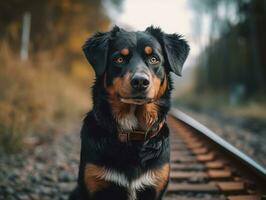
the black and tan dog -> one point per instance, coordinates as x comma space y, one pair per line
125, 140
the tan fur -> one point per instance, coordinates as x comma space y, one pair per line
162, 89
124, 51
157, 87
92, 179
147, 113
148, 50
121, 87
163, 175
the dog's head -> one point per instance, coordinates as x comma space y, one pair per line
134, 66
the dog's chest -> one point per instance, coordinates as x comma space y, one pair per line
129, 121
146, 179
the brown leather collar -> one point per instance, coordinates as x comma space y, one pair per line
139, 135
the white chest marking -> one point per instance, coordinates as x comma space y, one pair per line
129, 122
146, 179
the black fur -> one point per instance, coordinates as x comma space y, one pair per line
99, 143
175, 47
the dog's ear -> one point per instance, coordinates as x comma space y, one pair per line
96, 50
175, 48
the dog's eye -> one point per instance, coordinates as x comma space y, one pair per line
153, 60
119, 60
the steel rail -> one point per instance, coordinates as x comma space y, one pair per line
253, 167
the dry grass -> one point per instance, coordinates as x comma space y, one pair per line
37, 100
220, 101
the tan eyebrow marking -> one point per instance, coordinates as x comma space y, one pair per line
124, 51
148, 50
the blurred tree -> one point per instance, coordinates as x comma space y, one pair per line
46, 15
236, 51
59, 26
47, 93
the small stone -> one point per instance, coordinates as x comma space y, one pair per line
63, 197
52, 178
44, 190
10, 190
10, 198
35, 179
65, 176
66, 187
22, 196
34, 196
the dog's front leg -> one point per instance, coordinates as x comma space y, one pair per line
111, 192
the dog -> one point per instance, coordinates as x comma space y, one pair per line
125, 149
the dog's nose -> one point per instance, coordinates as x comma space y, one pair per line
140, 82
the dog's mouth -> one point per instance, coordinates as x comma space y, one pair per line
136, 100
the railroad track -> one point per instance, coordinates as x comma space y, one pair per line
204, 166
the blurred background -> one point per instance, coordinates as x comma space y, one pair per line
45, 80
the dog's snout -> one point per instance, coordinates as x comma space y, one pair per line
140, 82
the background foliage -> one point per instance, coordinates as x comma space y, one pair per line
235, 58
48, 93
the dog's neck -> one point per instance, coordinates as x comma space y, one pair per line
128, 121
131, 117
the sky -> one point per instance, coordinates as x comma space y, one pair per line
173, 16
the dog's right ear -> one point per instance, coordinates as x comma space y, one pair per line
96, 50
175, 47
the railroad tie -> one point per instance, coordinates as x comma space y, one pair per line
199, 171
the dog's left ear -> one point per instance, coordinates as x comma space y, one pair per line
175, 48
96, 50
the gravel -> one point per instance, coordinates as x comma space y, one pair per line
49, 171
